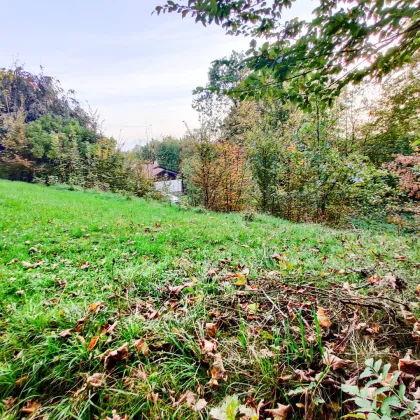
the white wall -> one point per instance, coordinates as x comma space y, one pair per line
174, 186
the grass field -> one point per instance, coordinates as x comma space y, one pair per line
83, 274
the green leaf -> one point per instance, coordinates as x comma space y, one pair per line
391, 401
377, 365
366, 373
350, 389
385, 370
373, 416
369, 362
394, 379
363, 403
401, 391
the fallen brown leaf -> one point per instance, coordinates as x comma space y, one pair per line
93, 342
218, 372
411, 367
96, 380
31, 407
335, 362
116, 416
111, 357
95, 307
416, 331
279, 413
208, 347
178, 289
9, 402
21, 381
211, 329
322, 317
141, 346
66, 333
152, 314
190, 398
80, 323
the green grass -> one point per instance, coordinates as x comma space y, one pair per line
98, 247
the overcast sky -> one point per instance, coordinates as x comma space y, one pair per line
134, 67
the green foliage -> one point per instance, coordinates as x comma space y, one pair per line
381, 398
224, 74
308, 61
394, 124
303, 173
38, 95
166, 151
50, 139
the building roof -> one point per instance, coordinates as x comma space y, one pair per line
153, 170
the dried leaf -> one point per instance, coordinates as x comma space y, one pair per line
116, 416
190, 398
211, 329
322, 317
394, 282
279, 413
153, 397
95, 307
141, 346
218, 372
9, 402
93, 342
411, 367
245, 272
108, 329
416, 331
208, 347
80, 323
152, 314
273, 273
178, 289
408, 316
266, 353
26, 264
21, 381
66, 333
111, 357
31, 407
96, 380
335, 362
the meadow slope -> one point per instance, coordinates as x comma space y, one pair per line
85, 273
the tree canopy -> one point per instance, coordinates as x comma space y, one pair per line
343, 44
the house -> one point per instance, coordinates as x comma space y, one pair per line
165, 180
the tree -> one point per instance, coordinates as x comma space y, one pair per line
394, 119
224, 74
307, 61
168, 153
38, 95
46, 136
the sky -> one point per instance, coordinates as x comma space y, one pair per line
137, 69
